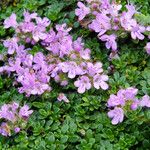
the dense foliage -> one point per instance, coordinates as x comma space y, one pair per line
81, 123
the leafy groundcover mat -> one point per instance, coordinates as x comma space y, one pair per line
74, 75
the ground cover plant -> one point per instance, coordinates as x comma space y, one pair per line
63, 87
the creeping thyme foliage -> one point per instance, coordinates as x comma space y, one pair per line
61, 87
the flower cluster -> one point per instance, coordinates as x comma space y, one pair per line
15, 118
63, 58
125, 98
110, 22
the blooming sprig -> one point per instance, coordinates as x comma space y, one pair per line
110, 22
15, 118
120, 102
64, 59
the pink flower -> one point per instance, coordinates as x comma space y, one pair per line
71, 68
110, 41
145, 102
15, 66
115, 101
17, 129
147, 47
65, 46
28, 17
127, 22
27, 27
85, 54
122, 96
62, 97
7, 112
82, 11
28, 60
131, 10
114, 9
101, 24
94, 68
64, 83
130, 93
39, 33
148, 28
5, 129
78, 45
135, 104
45, 22
25, 112
99, 81
62, 30
117, 115
83, 84
11, 44
51, 36
136, 32
11, 21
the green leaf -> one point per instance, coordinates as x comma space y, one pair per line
64, 128
38, 104
64, 139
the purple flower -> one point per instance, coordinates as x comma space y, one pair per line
71, 68
11, 44
5, 129
27, 27
39, 33
39, 60
136, 32
45, 22
83, 83
114, 9
122, 96
127, 22
7, 113
148, 28
130, 93
28, 60
145, 102
17, 129
115, 100
101, 24
131, 10
65, 46
100, 81
147, 47
135, 104
25, 112
94, 68
110, 41
117, 115
14, 106
28, 17
82, 11
78, 45
126, 19
51, 37
85, 54
62, 97
11, 21
15, 66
